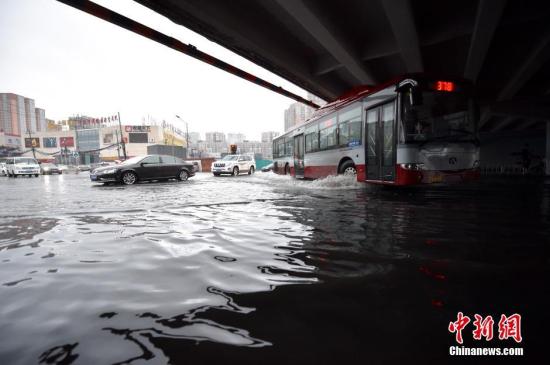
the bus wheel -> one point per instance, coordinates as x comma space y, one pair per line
348, 168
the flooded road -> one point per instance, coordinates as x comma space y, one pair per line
265, 269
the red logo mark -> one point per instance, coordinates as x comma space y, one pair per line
510, 327
458, 326
484, 327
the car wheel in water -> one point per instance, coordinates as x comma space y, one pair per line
183, 176
35, 175
235, 171
129, 178
251, 171
348, 168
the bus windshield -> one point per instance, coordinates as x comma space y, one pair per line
441, 116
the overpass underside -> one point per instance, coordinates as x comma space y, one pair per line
328, 47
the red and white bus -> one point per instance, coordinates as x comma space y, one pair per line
413, 130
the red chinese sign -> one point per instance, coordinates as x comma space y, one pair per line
508, 327
66, 142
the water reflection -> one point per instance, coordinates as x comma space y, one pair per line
270, 271
61, 355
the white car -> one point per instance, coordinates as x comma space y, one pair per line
3, 169
234, 165
19, 166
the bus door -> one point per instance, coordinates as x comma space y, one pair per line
299, 156
381, 142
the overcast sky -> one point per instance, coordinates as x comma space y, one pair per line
72, 63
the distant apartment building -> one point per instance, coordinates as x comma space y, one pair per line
19, 116
41, 124
267, 137
12, 114
194, 137
235, 138
30, 116
298, 113
215, 137
260, 150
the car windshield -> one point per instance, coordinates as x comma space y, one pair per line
133, 160
440, 116
26, 161
230, 158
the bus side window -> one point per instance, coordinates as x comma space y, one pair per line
288, 146
350, 127
327, 137
312, 138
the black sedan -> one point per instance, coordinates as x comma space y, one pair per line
141, 168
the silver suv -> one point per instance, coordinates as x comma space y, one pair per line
234, 165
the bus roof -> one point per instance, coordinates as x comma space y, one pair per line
364, 90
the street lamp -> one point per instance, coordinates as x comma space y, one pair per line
186, 136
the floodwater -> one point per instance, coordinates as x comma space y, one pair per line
265, 269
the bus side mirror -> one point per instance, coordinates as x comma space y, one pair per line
416, 96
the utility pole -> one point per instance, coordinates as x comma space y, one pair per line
121, 137
186, 140
186, 136
32, 144
117, 144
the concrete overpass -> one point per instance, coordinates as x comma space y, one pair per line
328, 48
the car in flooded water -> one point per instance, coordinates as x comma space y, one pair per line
50, 169
3, 169
143, 168
234, 165
22, 166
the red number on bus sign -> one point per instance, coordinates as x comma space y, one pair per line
445, 86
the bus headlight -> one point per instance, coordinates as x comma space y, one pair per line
412, 166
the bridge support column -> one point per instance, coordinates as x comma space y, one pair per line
548, 148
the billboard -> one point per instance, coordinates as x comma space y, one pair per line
137, 128
32, 142
49, 142
66, 141
138, 137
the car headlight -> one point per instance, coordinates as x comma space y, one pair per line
109, 171
412, 166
